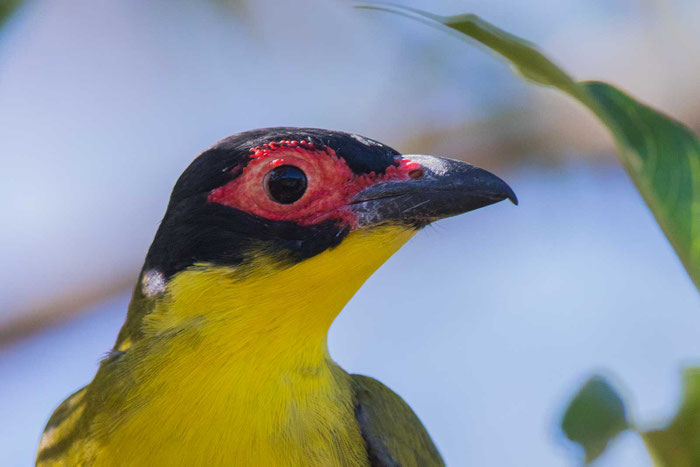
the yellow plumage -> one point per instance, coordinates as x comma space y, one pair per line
232, 369
222, 359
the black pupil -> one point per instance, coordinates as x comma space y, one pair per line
286, 184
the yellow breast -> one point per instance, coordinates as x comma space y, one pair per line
233, 369
216, 414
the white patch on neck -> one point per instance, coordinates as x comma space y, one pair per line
152, 283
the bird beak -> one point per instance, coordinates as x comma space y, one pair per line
446, 188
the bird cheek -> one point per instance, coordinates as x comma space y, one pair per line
343, 215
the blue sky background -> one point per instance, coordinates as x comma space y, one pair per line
486, 323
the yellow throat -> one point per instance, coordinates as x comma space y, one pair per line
233, 368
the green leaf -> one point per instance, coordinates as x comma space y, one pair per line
661, 156
594, 417
7, 7
663, 159
597, 414
678, 445
526, 59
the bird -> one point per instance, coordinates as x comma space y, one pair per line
223, 357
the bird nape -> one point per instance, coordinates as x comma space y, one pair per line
223, 359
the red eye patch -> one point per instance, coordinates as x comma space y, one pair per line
331, 184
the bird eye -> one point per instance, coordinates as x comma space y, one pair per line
285, 184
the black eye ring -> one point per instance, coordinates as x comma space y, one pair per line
285, 184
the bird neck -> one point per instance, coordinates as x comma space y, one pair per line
244, 356
278, 313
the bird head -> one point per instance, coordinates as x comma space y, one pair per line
298, 218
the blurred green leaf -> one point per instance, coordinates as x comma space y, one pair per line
594, 417
7, 7
661, 156
524, 56
678, 445
597, 414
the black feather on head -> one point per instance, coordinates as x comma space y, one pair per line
194, 230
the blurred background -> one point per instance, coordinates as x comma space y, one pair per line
103, 104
